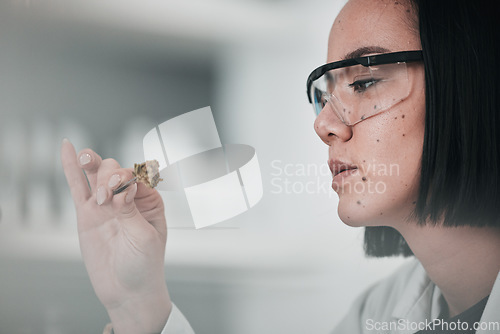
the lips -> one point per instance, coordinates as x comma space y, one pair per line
338, 166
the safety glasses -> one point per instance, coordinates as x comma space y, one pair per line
359, 88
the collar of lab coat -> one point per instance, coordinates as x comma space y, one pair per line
422, 300
419, 300
491, 311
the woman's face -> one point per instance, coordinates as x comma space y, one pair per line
386, 148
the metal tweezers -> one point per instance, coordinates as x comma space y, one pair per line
124, 186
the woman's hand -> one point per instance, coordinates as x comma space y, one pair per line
122, 239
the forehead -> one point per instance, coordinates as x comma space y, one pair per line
378, 25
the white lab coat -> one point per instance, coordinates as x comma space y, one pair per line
406, 299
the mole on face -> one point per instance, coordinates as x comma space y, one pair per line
391, 34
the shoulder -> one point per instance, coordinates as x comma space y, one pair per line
380, 301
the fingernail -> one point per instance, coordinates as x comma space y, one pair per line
101, 195
131, 193
65, 140
114, 180
85, 159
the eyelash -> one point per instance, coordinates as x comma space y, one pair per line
324, 99
360, 86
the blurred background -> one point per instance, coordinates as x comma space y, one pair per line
103, 73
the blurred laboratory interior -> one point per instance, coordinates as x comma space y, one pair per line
103, 73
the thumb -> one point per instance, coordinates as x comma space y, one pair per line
124, 205
127, 212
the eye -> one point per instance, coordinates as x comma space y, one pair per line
321, 97
360, 86
324, 99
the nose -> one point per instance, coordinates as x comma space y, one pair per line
328, 126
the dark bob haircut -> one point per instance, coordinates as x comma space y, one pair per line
460, 167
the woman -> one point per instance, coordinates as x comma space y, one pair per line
417, 91
429, 113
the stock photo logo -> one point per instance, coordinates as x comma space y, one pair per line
205, 182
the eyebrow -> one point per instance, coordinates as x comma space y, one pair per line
364, 51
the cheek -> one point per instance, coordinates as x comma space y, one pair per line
389, 154
396, 138
398, 149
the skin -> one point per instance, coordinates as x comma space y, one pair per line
122, 239
368, 144
463, 262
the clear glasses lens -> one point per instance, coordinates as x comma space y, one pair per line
358, 92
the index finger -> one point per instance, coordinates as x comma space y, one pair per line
77, 181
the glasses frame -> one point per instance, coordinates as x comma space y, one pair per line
366, 61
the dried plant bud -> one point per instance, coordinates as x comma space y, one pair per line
148, 173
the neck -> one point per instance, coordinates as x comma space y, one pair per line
462, 261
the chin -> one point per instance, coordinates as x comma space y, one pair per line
351, 218
356, 217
